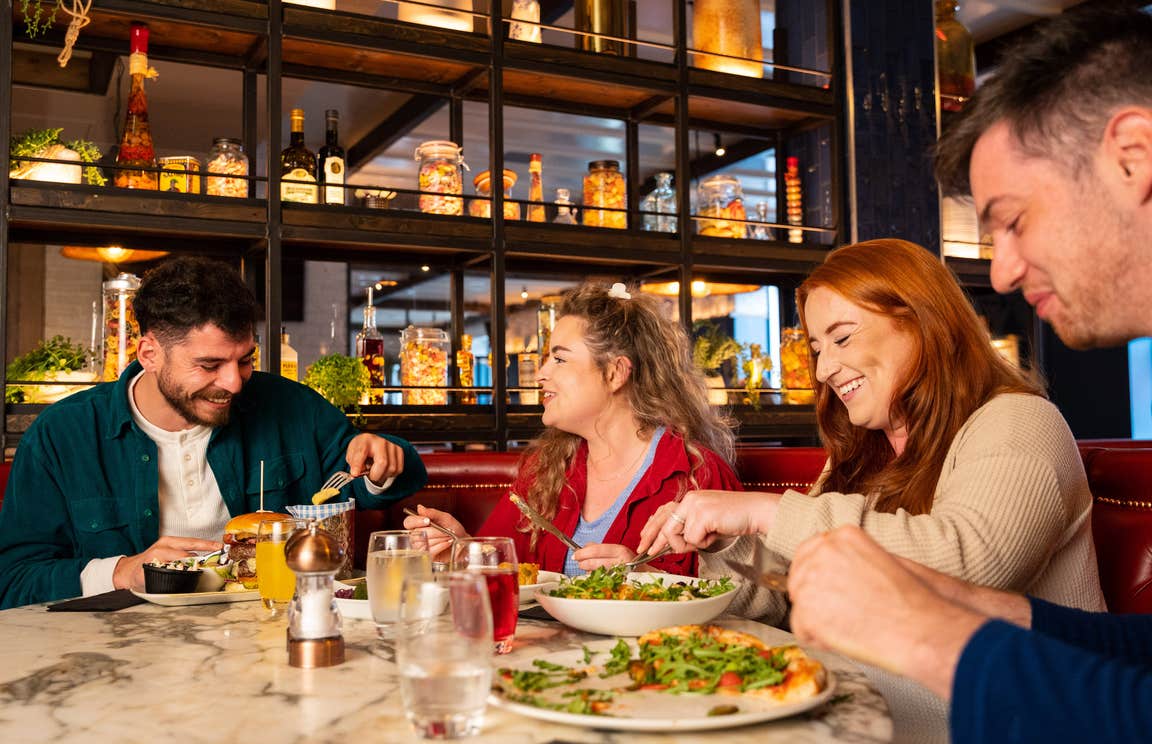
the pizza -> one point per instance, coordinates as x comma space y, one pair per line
708, 658
700, 660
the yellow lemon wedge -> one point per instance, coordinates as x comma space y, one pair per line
324, 494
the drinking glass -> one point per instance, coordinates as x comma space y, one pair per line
277, 582
442, 653
393, 555
494, 558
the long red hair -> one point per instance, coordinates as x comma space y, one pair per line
954, 371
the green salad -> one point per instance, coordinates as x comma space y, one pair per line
613, 583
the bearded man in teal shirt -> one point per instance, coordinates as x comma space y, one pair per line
153, 465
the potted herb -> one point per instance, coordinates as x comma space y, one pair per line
54, 360
341, 379
712, 348
46, 143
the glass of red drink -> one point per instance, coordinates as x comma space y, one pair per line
495, 559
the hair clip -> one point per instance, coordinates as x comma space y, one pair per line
619, 292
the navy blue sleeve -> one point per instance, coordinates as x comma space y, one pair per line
1127, 637
1015, 685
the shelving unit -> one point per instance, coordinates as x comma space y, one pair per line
281, 41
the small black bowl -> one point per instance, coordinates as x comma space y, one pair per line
158, 580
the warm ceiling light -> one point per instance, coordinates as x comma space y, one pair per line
524, 293
700, 288
720, 151
425, 267
430, 14
110, 254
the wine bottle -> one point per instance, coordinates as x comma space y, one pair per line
136, 141
332, 160
298, 166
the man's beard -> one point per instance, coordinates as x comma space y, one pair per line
184, 402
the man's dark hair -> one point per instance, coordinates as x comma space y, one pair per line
1056, 90
188, 292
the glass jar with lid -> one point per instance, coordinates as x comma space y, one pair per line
121, 331
604, 191
228, 160
424, 365
659, 206
720, 207
441, 177
955, 58
794, 369
482, 206
731, 30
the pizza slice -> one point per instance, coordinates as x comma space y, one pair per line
704, 659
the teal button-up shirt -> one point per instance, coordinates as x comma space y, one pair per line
84, 480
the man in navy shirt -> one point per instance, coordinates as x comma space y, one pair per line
1056, 151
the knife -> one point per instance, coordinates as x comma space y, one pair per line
541, 522
774, 580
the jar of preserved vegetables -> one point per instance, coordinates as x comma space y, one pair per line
227, 159
482, 206
424, 365
121, 331
730, 29
441, 178
794, 371
604, 190
720, 207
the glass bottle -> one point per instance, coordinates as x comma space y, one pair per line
528, 13
424, 365
527, 367
256, 352
227, 157
482, 206
598, 18
289, 366
604, 187
730, 28
565, 214
298, 165
793, 199
720, 206
535, 188
332, 160
761, 231
545, 324
136, 142
660, 206
464, 370
794, 369
121, 331
955, 58
370, 349
441, 179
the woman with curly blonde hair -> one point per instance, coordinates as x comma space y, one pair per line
629, 428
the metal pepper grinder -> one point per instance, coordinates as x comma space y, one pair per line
314, 638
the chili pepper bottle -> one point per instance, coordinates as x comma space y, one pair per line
136, 141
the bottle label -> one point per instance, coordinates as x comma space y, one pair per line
333, 180
298, 192
289, 369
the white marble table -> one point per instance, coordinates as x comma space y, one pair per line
219, 673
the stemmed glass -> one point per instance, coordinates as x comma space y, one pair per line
393, 555
494, 558
442, 653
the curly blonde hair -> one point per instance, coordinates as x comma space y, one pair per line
664, 388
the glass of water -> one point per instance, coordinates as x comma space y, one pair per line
392, 556
444, 654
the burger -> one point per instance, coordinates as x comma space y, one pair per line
240, 546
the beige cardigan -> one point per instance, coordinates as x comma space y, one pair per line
1011, 510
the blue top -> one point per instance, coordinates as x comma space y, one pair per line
1076, 676
594, 531
83, 483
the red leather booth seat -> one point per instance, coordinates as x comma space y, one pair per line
1121, 482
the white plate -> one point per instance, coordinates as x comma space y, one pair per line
630, 617
354, 609
649, 710
544, 580
198, 598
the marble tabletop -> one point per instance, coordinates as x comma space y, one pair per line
219, 673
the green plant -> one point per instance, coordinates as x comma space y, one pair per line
57, 354
713, 346
46, 143
37, 19
341, 379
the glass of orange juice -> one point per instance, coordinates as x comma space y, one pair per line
277, 582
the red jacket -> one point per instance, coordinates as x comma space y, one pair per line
664, 480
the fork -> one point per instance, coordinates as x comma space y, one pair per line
640, 560
438, 527
339, 479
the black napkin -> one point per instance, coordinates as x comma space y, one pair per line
536, 613
106, 602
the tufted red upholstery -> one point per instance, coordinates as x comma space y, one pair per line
1121, 481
